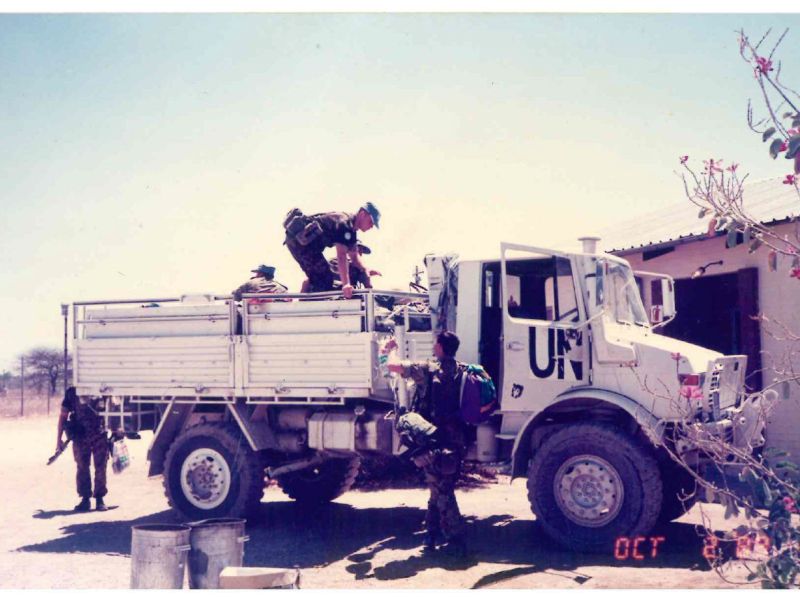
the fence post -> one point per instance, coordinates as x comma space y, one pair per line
22, 386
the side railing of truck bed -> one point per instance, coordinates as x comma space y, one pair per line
270, 348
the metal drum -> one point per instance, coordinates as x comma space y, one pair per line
158, 556
216, 544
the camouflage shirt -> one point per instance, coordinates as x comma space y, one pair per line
87, 415
438, 391
337, 228
259, 285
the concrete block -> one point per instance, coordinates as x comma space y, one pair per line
258, 578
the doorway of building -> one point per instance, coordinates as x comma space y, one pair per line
715, 312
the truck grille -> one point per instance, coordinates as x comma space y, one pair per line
724, 383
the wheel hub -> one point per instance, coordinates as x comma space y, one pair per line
588, 490
205, 478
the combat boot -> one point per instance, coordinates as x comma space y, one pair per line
100, 505
84, 505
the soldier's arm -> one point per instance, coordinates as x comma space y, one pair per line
341, 263
418, 371
356, 260
245, 288
62, 418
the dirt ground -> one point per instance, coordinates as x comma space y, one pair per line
363, 540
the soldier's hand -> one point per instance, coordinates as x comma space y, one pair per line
374, 273
347, 291
59, 445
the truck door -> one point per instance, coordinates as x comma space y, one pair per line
544, 353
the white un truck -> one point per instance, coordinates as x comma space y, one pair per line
592, 399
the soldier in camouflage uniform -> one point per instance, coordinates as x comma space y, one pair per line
437, 399
260, 283
88, 442
358, 278
325, 230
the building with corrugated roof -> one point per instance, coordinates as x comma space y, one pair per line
716, 308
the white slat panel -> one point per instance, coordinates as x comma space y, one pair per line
419, 345
303, 324
161, 363
306, 361
209, 322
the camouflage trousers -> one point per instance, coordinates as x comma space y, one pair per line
443, 517
84, 450
314, 265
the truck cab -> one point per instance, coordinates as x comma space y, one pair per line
594, 401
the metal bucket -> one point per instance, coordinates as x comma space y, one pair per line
216, 544
158, 556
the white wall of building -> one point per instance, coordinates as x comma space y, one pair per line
778, 299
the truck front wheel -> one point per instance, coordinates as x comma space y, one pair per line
590, 484
210, 471
321, 483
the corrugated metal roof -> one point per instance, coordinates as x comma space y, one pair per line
768, 201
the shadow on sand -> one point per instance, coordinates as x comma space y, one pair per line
286, 534
49, 514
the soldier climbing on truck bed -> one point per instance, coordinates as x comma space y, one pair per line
308, 236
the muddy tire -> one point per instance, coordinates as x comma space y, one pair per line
210, 472
590, 484
677, 484
321, 483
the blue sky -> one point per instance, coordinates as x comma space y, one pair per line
149, 155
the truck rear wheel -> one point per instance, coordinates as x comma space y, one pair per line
321, 483
210, 471
589, 484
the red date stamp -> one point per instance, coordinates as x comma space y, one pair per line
643, 547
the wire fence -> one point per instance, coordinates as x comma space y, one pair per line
14, 404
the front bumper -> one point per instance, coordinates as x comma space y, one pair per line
739, 429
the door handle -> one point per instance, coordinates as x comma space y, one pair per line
515, 346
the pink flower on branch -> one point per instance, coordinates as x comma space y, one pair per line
784, 146
764, 64
713, 166
733, 167
795, 273
790, 179
684, 159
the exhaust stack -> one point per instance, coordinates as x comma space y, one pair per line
589, 244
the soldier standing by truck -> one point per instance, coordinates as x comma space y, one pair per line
437, 399
308, 236
88, 442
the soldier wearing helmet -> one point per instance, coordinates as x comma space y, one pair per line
308, 236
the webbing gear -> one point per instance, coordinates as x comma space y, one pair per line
416, 431
294, 222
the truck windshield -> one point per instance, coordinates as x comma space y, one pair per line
622, 299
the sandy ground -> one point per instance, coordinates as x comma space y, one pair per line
364, 539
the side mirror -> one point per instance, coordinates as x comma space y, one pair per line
658, 296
